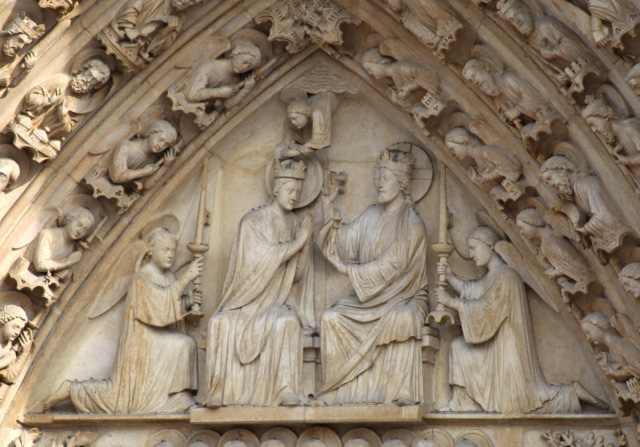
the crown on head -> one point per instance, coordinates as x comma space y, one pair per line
290, 169
397, 161
24, 24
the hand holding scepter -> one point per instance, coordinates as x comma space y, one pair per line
198, 248
443, 249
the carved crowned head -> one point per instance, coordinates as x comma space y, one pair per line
9, 172
160, 135
481, 241
459, 140
630, 279
595, 326
289, 175
375, 63
299, 112
518, 15
558, 172
21, 31
479, 72
394, 176
162, 247
78, 223
529, 221
13, 319
598, 114
245, 56
91, 76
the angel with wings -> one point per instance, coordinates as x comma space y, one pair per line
222, 81
496, 325
49, 259
312, 101
156, 367
408, 80
136, 164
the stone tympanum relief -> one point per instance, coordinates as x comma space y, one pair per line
494, 365
51, 111
566, 58
519, 102
134, 165
18, 35
563, 261
311, 100
596, 218
223, 79
618, 356
156, 365
254, 338
53, 252
143, 29
371, 339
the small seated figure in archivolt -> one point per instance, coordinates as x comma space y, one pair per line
16, 340
494, 365
371, 339
224, 78
312, 101
156, 367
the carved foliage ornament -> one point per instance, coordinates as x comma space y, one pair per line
308, 21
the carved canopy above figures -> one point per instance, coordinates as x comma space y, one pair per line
298, 151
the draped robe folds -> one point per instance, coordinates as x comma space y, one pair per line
371, 340
146, 16
156, 367
495, 362
254, 340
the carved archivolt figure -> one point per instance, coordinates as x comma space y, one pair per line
143, 29
254, 339
371, 339
21, 32
9, 173
494, 366
566, 263
633, 78
566, 55
495, 170
16, 340
312, 101
606, 225
135, 165
406, 76
612, 20
519, 102
49, 259
620, 357
51, 111
156, 367
216, 84
630, 279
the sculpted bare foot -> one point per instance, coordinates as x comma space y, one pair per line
62, 393
290, 402
212, 404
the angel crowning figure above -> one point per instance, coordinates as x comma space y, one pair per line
254, 339
371, 339
494, 364
156, 367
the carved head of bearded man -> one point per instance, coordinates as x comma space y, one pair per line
559, 172
21, 31
9, 172
518, 15
598, 114
394, 175
91, 76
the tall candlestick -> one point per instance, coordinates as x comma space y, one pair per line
442, 233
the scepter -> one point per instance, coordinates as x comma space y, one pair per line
198, 248
443, 249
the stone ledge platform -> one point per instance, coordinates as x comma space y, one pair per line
243, 416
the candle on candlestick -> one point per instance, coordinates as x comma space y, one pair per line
442, 233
